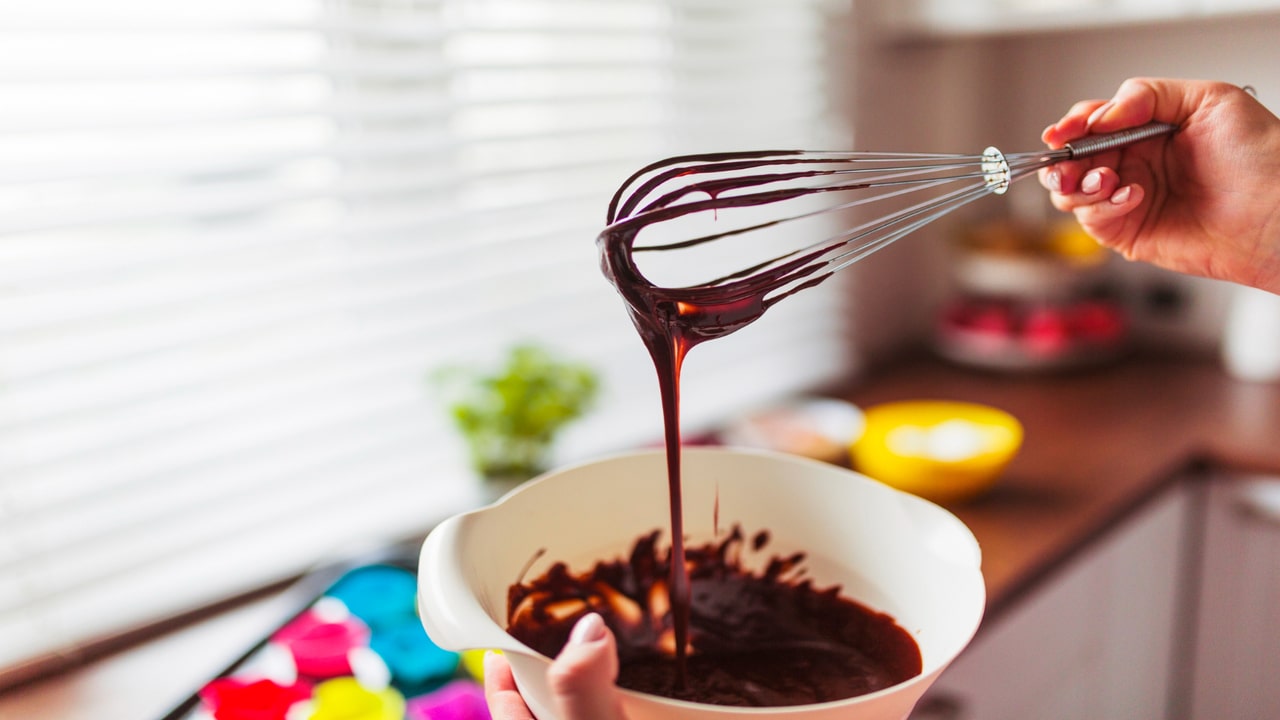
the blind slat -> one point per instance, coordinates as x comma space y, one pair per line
126, 119
194, 162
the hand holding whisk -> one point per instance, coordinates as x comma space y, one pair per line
782, 190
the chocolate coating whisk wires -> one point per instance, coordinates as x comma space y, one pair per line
916, 189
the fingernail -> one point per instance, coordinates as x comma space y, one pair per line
1121, 196
1091, 183
1054, 180
1096, 115
587, 630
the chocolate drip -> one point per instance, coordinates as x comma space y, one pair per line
713, 632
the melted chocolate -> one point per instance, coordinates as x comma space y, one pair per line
670, 324
768, 638
735, 639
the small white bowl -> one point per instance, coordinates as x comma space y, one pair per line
818, 428
887, 549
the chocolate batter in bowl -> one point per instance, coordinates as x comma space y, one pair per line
893, 553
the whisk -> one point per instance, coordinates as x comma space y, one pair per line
678, 187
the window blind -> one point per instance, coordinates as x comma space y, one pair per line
237, 237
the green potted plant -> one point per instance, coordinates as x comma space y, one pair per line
510, 418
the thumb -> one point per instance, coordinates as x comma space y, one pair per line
1143, 100
582, 676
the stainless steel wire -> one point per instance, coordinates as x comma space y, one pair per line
678, 187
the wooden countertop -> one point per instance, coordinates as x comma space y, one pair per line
1097, 444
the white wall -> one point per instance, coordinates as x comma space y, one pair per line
966, 93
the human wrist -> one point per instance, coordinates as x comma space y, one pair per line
1269, 227
1268, 277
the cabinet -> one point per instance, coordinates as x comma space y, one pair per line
1219, 7
987, 17
1098, 640
1174, 614
1237, 649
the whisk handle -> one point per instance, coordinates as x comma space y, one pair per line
1084, 147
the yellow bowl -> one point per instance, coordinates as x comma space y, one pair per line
943, 451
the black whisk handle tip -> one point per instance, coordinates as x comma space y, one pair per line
1094, 144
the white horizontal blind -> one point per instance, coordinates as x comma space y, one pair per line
236, 237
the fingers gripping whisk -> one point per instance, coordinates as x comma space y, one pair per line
782, 190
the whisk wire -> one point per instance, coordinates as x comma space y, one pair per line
662, 191
843, 249
912, 186
850, 164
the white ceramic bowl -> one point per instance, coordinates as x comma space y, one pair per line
889, 550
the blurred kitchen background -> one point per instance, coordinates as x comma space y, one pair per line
237, 239
962, 77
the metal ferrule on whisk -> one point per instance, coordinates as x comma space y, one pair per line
995, 171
